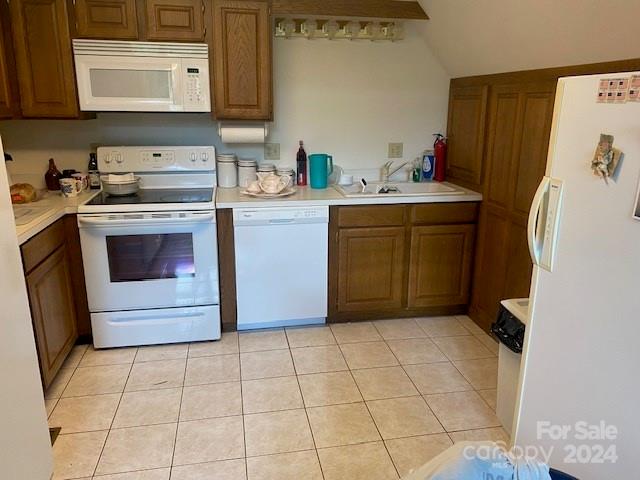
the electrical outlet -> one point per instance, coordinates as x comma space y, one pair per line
272, 151
396, 150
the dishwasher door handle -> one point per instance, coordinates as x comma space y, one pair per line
281, 221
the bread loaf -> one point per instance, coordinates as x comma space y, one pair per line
23, 193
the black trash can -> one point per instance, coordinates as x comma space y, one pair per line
508, 329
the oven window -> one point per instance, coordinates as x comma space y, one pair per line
135, 258
113, 83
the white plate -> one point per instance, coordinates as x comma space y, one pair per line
285, 193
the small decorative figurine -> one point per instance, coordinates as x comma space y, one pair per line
606, 158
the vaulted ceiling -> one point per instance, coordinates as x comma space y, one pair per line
474, 37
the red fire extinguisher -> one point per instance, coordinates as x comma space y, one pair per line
440, 152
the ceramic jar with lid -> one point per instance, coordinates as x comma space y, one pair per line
246, 172
267, 168
287, 172
227, 171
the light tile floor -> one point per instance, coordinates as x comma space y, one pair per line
365, 400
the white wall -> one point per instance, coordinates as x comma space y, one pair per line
345, 98
491, 36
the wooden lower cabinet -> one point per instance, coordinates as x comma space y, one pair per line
371, 268
440, 265
52, 263
53, 312
391, 261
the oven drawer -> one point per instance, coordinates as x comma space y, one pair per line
154, 327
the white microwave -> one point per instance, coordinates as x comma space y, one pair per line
119, 76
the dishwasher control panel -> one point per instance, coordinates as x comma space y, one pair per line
280, 215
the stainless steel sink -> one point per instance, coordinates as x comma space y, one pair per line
398, 189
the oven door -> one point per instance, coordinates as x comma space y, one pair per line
151, 260
134, 84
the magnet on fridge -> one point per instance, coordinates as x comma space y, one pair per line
606, 159
634, 88
636, 207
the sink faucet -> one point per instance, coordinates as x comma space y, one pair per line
387, 171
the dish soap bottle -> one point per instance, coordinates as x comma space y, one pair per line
53, 176
301, 163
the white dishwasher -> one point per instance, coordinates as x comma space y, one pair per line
281, 266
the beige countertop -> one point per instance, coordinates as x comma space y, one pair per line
306, 196
51, 208
54, 206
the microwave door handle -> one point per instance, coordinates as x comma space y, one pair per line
532, 225
177, 88
102, 221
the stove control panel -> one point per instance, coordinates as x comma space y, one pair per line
156, 159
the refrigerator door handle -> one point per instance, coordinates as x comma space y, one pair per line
533, 220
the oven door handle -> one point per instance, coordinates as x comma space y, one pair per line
123, 221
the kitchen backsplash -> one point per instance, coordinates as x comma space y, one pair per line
333, 95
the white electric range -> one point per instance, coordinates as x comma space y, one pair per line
151, 259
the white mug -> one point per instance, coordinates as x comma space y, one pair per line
82, 177
70, 187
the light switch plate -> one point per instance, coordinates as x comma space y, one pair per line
272, 151
396, 150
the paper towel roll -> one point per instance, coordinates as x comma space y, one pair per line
248, 134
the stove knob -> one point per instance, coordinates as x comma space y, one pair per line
119, 158
107, 158
204, 156
193, 157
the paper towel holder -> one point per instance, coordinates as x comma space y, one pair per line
266, 127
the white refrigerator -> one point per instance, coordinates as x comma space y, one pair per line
25, 448
579, 395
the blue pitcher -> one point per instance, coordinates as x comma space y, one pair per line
320, 167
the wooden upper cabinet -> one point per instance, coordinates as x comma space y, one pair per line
501, 139
242, 60
53, 312
9, 101
175, 20
110, 19
6, 96
537, 102
440, 265
42, 45
371, 269
466, 133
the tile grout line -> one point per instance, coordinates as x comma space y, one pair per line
242, 414
454, 366
175, 437
113, 419
304, 404
414, 386
72, 374
367, 406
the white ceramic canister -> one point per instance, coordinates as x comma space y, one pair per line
246, 172
227, 171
